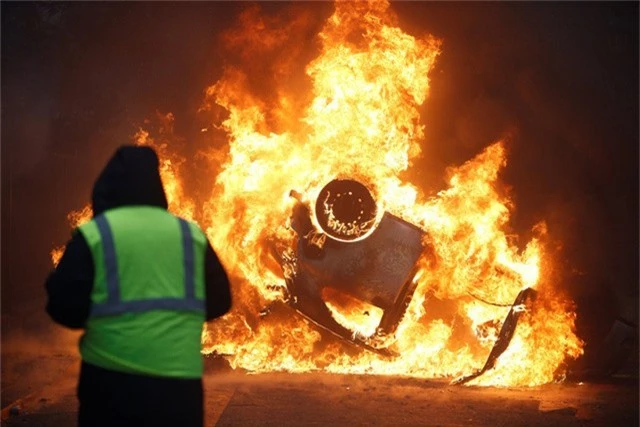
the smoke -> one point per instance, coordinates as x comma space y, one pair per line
562, 81
77, 81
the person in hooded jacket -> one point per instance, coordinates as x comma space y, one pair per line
140, 282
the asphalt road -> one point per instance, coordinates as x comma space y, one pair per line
41, 390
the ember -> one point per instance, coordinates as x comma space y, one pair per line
362, 124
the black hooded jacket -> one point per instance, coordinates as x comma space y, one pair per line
131, 177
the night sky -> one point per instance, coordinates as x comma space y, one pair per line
78, 79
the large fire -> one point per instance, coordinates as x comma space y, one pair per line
361, 120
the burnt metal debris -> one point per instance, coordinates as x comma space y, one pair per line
505, 336
368, 255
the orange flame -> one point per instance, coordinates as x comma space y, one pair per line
361, 120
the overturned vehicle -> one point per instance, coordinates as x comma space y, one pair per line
346, 246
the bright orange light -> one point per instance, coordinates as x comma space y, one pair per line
363, 123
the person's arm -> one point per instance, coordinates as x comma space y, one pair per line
69, 286
218, 293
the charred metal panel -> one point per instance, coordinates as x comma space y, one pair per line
375, 269
373, 263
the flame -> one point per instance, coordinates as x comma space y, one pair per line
359, 316
75, 218
360, 119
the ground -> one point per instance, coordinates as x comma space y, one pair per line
38, 389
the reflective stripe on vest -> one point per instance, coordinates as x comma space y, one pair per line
114, 305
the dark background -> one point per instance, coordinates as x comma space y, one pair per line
78, 78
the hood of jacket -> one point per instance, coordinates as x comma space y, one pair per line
131, 177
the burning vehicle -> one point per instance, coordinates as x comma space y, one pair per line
354, 251
345, 245
342, 261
